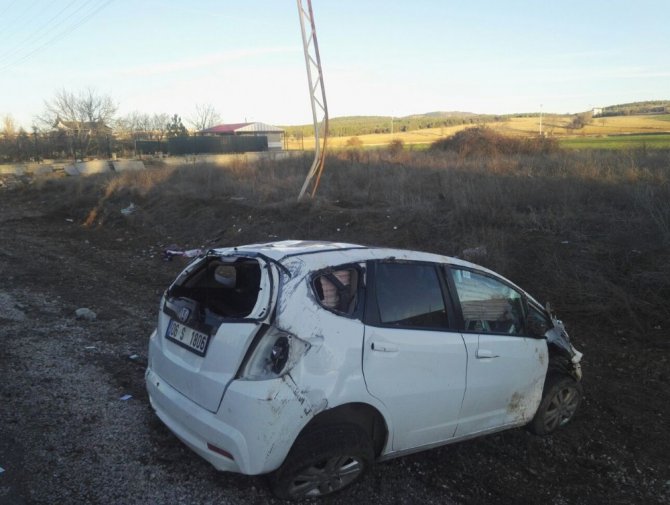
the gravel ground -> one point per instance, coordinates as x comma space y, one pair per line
67, 437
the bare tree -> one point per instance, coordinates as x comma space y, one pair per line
159, 125
129, 126
142, 126
84, 116
8, 127
205, 116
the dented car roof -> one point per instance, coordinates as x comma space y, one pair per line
328, 253
323, 254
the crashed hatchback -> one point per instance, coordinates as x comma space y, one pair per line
310, 361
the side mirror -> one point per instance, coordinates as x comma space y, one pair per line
536, 326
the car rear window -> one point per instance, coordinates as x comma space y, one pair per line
224, 288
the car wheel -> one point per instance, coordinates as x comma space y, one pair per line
323, 461
560, 399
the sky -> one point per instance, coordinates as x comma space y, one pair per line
379, 57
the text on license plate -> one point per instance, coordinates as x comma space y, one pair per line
187, 337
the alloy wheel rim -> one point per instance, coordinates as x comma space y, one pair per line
325, 477
561, 408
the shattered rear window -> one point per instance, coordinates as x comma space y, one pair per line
224, 288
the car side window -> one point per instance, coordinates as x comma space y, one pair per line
488, 305
337, 290
537, 322
409, 295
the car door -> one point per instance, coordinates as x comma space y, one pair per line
506, 368
413, 361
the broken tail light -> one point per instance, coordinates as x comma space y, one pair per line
274, 355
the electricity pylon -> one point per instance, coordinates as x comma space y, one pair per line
317, 95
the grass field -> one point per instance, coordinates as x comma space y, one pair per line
648, 141
618, 132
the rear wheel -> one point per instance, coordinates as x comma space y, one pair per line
560, 400
323, 461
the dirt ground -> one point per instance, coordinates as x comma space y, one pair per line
67, 437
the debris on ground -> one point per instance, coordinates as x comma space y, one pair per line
127, 211
475, 253
85, 314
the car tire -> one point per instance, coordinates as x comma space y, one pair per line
323, 461
561, 398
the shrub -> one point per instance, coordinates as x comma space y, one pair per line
483, 141
354, 142
395, 146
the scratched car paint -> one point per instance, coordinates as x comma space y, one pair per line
311, 361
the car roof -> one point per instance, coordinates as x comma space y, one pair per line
327, 253
317, 255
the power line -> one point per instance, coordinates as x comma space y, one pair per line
58, 36
36, 35
9, 6
18, 18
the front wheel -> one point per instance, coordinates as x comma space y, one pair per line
561, 397
323, 461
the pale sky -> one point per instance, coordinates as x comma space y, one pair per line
379, 57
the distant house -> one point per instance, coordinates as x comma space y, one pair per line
82, 127
274, 134
597, 111
81, 138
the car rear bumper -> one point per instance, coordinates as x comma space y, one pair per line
255, 424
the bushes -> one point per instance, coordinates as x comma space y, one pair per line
483, 141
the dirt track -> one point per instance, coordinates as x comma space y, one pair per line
66, 437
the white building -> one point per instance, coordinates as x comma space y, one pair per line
274, 134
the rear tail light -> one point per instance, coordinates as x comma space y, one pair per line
275, 354
220, 451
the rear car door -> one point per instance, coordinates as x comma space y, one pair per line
506, 368
414, 362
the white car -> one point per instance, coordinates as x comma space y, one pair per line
312, 360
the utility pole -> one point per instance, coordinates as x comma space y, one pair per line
540, 120
318, 101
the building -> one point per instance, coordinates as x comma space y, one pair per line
81, 127
274, 134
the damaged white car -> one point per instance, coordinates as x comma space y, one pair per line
309, 361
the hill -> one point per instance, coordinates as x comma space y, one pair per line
348, 126
636, 108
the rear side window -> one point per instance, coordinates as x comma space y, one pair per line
409, 295
337, 290
488, 305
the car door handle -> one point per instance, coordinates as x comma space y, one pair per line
485, 353
376, 346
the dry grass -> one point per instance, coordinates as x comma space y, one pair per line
588, 230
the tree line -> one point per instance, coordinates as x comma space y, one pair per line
635, 108
80, 124
364, 125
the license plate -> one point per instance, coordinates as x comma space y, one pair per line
189, 338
